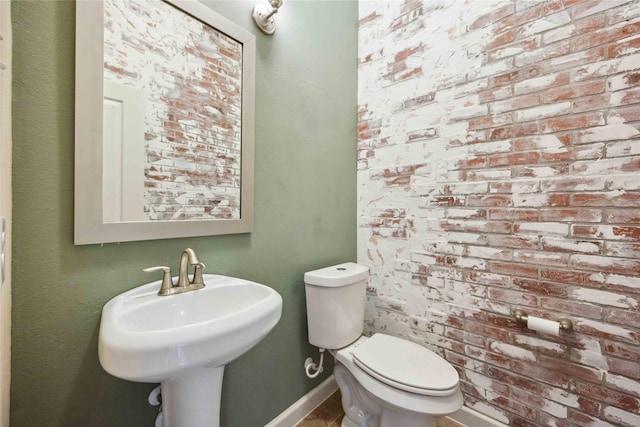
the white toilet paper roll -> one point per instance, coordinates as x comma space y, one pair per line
543, 325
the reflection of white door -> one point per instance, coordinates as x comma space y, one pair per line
5, 209
123, 154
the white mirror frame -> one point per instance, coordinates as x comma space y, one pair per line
89, 225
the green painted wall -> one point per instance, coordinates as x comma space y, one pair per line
305, 218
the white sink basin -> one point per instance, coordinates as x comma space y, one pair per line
149, 338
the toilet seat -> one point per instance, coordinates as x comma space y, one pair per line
406, 365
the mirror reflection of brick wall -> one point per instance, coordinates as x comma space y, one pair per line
189, 77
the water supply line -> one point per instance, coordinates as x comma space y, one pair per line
309, 365
155, 399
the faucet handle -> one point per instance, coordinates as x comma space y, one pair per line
167, 283
197, 280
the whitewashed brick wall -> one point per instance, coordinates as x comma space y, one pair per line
499, 168
191, 83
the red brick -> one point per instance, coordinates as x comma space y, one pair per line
512, 159
406, 53
501, 39
574, 90
570, 184
485, 278
629, 97
627, 368
513, 379
545, 53
545, 143
605, 199
541, 288
514, 76
555, 378
606, 264
487, 122
572, 307
621, 216
514, 131
513, 214
575, 28
572, 215
576, 59
572, 277
607, 232
542, 82
513, 405
495, 94
628, 318
570, 246
590, 7
520, 270
515, 103
595, 102
606, 35
491, 200
516, 47
369, 18
420, 100
573, 122
492, 17
556, 5
580, 419
552, 259
571, 368
489, 226
520, 18
515, 242
523, 186
624, 47
447, 201
543, 170
625, 351
607, 395
630, 114
472, 163
488, 174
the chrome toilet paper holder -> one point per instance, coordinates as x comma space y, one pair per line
522, 317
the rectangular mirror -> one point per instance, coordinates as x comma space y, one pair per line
164, 122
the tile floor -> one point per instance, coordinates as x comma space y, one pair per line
329, 414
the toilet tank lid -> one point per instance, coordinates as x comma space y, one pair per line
337, 275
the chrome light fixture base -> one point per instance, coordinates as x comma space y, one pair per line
263, 17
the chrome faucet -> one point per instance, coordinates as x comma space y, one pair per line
187, 259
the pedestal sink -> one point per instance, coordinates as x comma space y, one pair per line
184, 341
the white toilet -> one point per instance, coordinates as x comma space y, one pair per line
385, 381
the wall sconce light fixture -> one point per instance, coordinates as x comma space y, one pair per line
264, 18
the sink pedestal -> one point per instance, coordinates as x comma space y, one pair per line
193, 400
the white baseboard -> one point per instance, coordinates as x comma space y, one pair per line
307, 403
310, 401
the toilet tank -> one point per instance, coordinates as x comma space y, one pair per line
336, 298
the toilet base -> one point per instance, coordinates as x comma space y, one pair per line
346, 422
405, 419
394, 420
364, 410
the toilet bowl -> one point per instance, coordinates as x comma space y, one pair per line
385, 381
